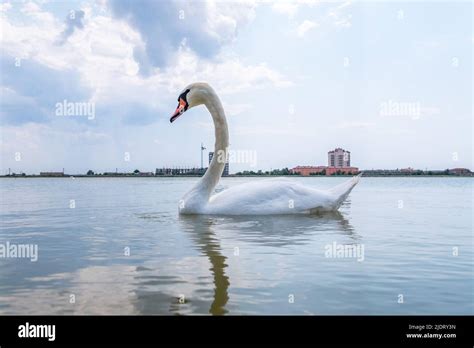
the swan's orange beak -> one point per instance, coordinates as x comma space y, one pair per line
179, 110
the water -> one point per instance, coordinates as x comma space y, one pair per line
416, 233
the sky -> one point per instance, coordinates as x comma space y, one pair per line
389, 81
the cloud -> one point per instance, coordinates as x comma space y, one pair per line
163, 25
228, 74
16, 109
30, 90
291, 7
51, 147
74, 21
5, 7
132, 113
339, 18
99, 64
304, 27
34, 11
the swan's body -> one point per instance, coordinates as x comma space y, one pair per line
262, 197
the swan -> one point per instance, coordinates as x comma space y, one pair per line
263, 197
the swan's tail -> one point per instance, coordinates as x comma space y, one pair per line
340, 192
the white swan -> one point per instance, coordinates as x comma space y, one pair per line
267, 197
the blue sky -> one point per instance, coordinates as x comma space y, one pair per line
297, 79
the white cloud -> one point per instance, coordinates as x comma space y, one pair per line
5, 7
227, 73
224, 18
291, 7
32, 140
103, 54
286, 7
231, 75
208, 26
304, 27
344, 22
339, 18
34, 11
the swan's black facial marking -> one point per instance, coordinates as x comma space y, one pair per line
184, 96
182, 105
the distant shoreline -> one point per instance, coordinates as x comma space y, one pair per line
68, 176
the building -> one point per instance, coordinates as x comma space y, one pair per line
164, 171
323, 170
339, 163
179, 171
408, 170
460, 171
309, 170
51, 173
339, 158
342, 170
226, 167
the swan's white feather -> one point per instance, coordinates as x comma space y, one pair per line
274, 197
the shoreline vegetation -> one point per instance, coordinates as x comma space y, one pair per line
456, 172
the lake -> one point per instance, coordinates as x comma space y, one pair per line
118, 246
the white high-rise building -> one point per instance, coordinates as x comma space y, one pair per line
339, 158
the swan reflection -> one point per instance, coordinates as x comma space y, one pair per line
202, 234
206, 232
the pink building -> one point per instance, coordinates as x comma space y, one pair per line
319, 170
308, 170
339, 161
459, 171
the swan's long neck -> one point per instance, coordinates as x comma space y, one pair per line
216, 167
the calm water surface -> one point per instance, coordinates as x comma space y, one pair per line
416, 232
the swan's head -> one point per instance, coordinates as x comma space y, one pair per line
191, 96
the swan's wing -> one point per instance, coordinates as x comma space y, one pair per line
276, 196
